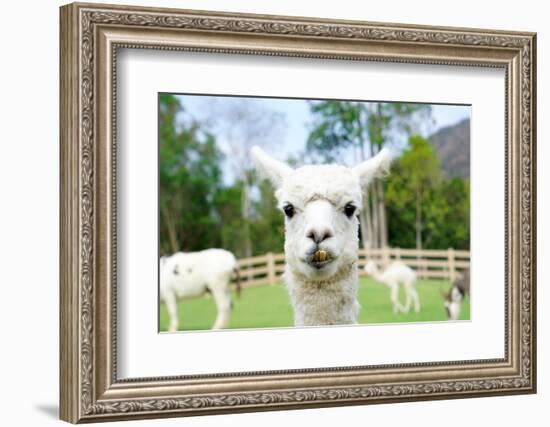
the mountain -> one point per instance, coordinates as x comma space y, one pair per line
452, 145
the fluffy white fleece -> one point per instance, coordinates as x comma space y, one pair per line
192, 274
397, 273
330, 301
319, 194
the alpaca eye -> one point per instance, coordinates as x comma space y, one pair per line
288, 210
349, 210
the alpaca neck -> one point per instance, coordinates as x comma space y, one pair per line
377, 274
324, 302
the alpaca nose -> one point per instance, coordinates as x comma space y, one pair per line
318, 234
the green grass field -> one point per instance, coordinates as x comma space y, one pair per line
269, 307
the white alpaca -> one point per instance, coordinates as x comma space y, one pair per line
321, 204
192, 274
397, 273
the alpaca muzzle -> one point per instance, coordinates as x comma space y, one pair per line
319, 259
320, 256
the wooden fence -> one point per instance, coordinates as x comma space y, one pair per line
428, 263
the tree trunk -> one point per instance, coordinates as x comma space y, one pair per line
170, 228
365, 222
418, 219
247, 241
375, 236
382, 215
372, 205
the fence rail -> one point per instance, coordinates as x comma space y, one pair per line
428, 263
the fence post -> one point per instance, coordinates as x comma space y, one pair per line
271, 275
385, 256
451, 260
397, 253
366, 253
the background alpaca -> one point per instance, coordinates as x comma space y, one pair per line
459, 290
192, 274
395, 274
321, 204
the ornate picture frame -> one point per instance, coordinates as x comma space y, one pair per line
90, 37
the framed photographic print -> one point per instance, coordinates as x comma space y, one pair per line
266, 212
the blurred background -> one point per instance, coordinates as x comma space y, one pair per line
210, 196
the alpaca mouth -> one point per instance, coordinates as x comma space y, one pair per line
320, 258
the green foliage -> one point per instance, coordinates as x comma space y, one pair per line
266, 222
448, 215
340, 125
231, 222
444, 203
400, 205
197, 209
420, 163
267, 228
189, 178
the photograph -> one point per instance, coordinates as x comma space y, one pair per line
287, 212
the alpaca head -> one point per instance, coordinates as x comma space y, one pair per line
370, 268
452, 303
452, 300
321, 205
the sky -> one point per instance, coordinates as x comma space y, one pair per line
288, 137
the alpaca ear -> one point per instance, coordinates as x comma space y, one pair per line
376, 166
269, 168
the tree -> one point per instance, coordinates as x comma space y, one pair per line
415, 175
189, 178
341, 126
447, 214
268, 225
242, 123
